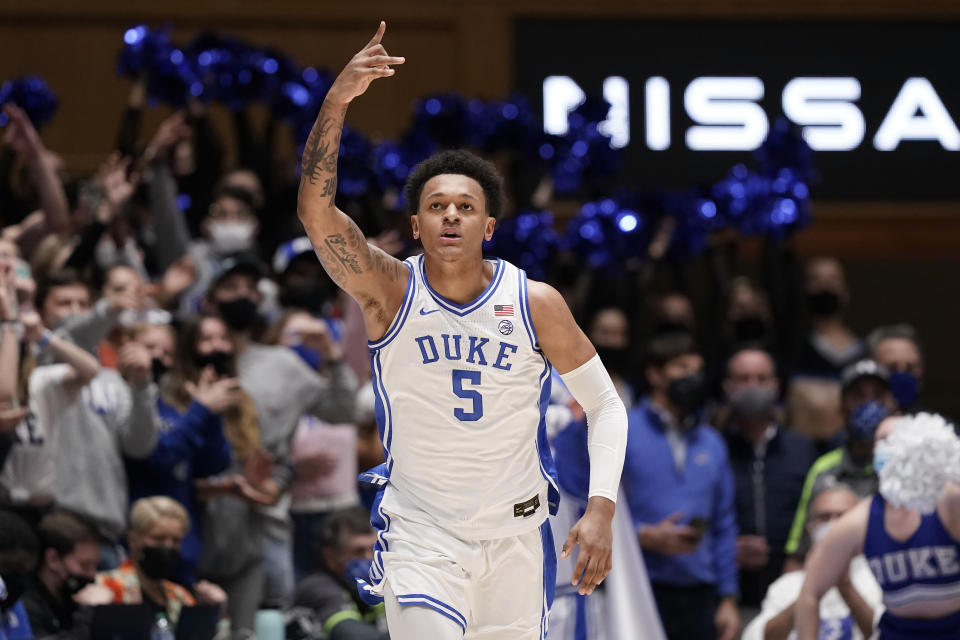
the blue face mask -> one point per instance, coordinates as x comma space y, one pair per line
905, 388
880, 459
865, 418
308, 355
357, 569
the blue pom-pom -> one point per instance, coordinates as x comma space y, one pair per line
169, 71
33, 95
355, 176
785, 148
528, 240
583, 158
444, 119
609, 233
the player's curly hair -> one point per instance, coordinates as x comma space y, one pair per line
459, 162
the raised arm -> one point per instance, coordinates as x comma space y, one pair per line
84, 367
374, 279
9, 340
23, 137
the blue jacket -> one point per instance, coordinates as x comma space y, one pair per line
191, 446
703, 488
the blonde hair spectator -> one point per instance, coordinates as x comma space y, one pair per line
147, 511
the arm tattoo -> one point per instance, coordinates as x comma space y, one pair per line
337, 246
319, 162
333, 268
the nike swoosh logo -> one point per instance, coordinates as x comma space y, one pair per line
426, 313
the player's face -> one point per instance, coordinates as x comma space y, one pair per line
452, 219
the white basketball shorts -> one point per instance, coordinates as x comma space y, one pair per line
497, 589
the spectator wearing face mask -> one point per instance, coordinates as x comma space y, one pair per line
229, 228
159, 338
197, 397
302, 282
866, 402
672, 312
283, 388
69, 554
770, 463
331, 594
609, 331
157, 527
846, 610
680, 493
896, 348
749, 319
324, 455
827, 348
18, 556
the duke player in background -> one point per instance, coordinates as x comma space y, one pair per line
461, 350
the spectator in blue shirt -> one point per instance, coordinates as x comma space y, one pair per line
680, 493
197, 397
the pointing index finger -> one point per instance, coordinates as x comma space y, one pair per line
378, 35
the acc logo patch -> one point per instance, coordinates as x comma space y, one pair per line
505, 327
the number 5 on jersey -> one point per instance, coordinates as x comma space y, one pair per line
472, 377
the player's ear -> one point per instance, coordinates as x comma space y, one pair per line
488, 232
415, 225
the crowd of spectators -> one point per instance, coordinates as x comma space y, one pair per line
185, 401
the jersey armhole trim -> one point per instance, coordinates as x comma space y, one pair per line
525, 311
401, 316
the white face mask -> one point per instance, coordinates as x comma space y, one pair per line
819, 532
231, 236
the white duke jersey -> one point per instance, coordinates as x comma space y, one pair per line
461, 393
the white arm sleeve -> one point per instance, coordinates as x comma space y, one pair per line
591, 386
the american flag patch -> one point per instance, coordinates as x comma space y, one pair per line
503, 309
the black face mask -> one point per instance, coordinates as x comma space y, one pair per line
309, 297
749, 329
239, 314
689, 392
74, 584
15, 583
823, 303
615, 359
667, 326
158, 369
221, 361
159, 563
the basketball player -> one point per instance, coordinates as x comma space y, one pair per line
914, 556
461, 352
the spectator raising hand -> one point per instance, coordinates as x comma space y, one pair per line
22, 136
135, 364
303, 328
117, 185
217, 395
171, 131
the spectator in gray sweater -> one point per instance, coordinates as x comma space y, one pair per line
115, 417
